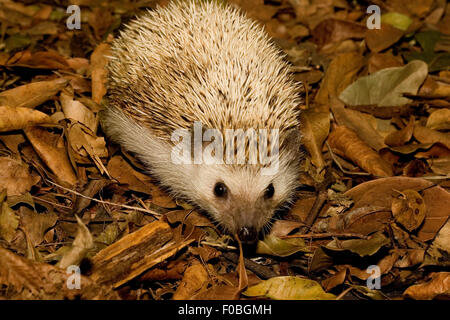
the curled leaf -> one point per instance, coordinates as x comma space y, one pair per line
350, 146
289, 288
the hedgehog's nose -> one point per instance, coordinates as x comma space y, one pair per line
248, 234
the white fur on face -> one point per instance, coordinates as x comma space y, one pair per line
245, 204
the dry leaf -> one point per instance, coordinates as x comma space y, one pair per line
385, 88
36, 224
439, 120
98, 71
334, 30
51, 150
33, 94
426, 135
340, 73
439, 250
402, 136
359, 122
40, 60
15, 177
379, 194
75, 110
289, 288
9, 221
275, 246
316, 126
379, 39
14, 118
381, 61
350, 146
26, 279
439, 285
81, 245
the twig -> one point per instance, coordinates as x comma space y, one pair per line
343, 293
325, 235
51, 202
105, 202
262, 271
314, 212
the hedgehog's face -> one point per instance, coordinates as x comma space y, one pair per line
241, 199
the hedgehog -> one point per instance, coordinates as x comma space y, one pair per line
198, 67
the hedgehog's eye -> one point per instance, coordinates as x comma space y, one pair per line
270, 190
220, 190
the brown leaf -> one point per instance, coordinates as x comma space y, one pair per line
205, 252
381, 61
334, 280
77, 111
51, 150
124, 173
85, 145
98, 71
9, 221
439, 285
39, 60
439, 250
195, 279
340, 73
36, 224
81, 245
409, 257
402, 136
359, 122
379, 39
316, 126
32, 94
439, 120
14, 118
15, 177
27, 279
379, 193
334, 30
173, 271
349, 145
100, 19
283, 227
426, 135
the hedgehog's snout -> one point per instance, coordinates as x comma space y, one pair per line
248, 235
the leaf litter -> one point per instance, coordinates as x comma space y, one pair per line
375, 175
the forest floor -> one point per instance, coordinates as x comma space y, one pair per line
372, 216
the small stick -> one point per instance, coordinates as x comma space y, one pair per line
50, 202
105, 202
262, 271
312, 215
339, 297
325, 235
